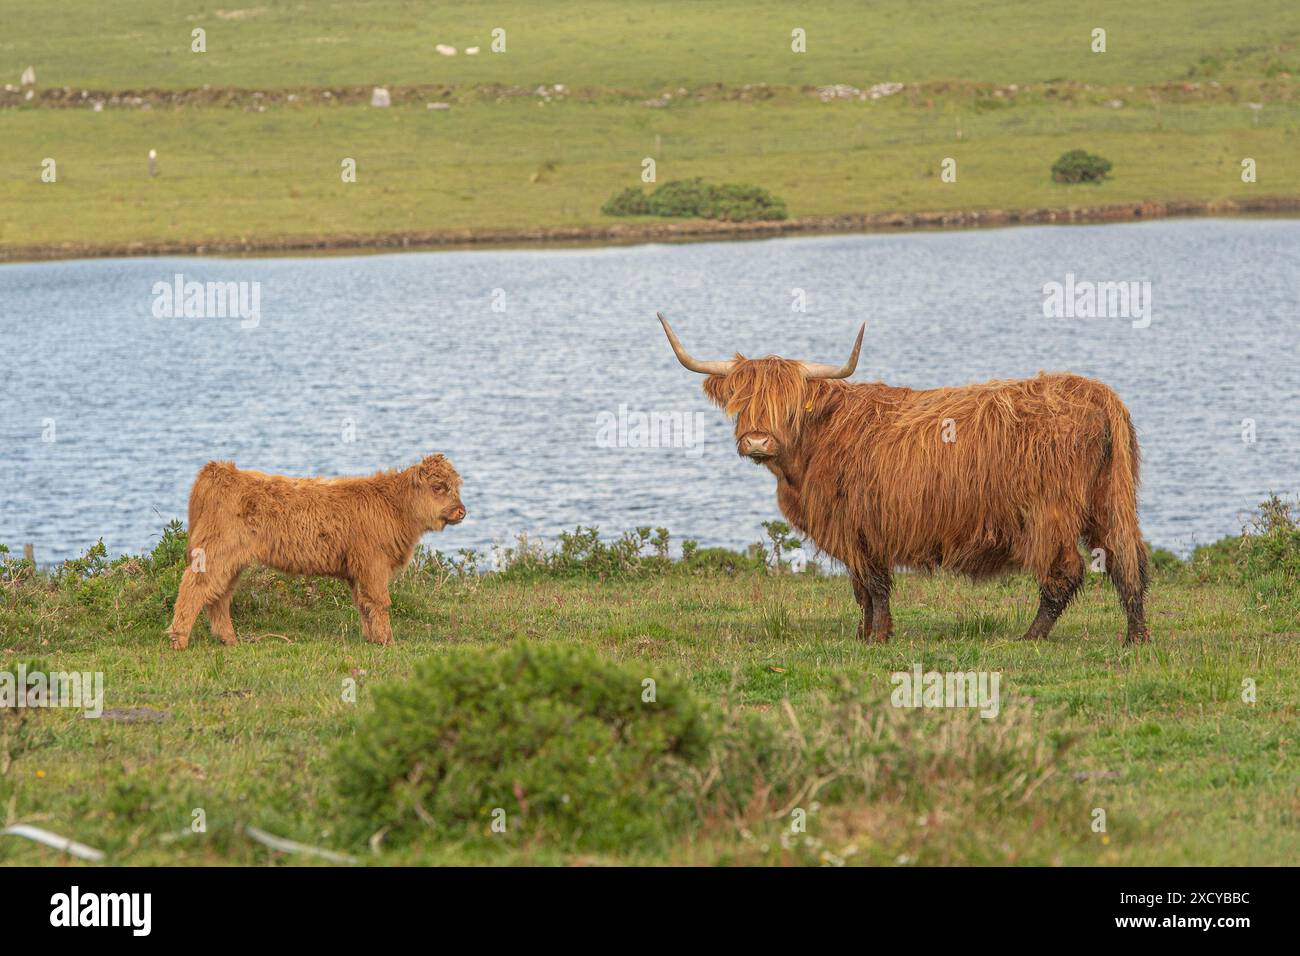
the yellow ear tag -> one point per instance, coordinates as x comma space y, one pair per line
808, 407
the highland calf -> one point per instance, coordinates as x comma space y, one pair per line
977, 479
361, 530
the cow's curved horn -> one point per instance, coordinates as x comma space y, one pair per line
695, 365
817, 370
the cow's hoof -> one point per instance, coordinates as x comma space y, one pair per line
864, 632
1138, 637
180, 643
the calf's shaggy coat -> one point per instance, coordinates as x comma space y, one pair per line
361, 530
977, 479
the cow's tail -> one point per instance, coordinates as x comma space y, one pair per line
1115, 518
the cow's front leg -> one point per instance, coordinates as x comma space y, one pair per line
878, 584
863, 597
373, 602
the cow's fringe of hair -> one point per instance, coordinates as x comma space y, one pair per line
763, 395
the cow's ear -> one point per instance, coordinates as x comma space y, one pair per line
717, 389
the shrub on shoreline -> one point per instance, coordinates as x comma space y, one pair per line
696, 199
1265, 556
1080, 166
582, 553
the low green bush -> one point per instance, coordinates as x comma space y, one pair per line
1217, 561
582, 553
696, 199
172, 549
629, 202
1080, 166
1163, 561
543, 743
686, 198
1264, 557
723, 560
1270, 547
740, 203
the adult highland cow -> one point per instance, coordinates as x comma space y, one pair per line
977, 479
358, 529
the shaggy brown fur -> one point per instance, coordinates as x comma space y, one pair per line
357, 529
1033, 466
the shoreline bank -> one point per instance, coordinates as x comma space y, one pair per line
664, 231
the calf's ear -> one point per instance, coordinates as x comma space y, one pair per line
435, 471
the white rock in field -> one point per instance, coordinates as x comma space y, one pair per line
29, 76
438, 106
881, 90
471, 51
445, 50
380, 97
840, 91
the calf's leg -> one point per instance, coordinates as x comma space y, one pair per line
363, 611
189, 601
374, 603
223, 628
199, 589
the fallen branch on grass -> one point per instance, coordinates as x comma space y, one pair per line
289, 846
46, 838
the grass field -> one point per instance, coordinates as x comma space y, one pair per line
1003, 92
626, 44
1158, 736
234, 174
